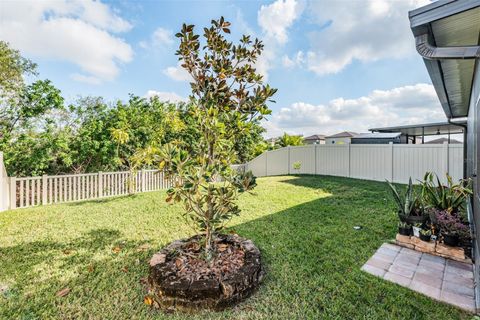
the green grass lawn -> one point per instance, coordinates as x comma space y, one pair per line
303, 226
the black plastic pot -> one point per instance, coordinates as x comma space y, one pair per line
425, 237
415, 219
450, 240
405, 231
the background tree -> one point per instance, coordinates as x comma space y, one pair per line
40, 134
289, 140
228, 100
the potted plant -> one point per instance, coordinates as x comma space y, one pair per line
410, 208
417, 227
425, 235
450, 197
451, 227
404, 228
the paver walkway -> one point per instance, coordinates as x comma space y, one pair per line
439, 278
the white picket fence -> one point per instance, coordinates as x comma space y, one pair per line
32, 191
395, 162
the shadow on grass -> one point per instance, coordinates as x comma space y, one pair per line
313, 256
93, 266
311, 251
101, 200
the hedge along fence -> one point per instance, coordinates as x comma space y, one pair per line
32, 191
395, 162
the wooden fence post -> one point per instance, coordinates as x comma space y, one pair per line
13, 192
44, 189
143, 185
100, 184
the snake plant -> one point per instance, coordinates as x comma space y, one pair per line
408, 204
451, 197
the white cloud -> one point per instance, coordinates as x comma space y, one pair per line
177, 73
277, 17
297, 60
366, 31
80, 32
404, 105
166, 96
161, 37
86, 79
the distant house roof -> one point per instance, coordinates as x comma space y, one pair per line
344, 134
442, 141
315, 137
378, 135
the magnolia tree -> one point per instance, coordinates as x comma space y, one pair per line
229, 98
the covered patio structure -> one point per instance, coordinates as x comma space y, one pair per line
416, 131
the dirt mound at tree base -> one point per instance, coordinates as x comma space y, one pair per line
180, 279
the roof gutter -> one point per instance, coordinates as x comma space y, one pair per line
431, 52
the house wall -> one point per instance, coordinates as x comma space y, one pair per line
314, 142
473, 155
375, 140
340, 140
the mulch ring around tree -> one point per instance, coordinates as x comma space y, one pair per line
181, 279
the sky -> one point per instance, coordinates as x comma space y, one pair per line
338, 65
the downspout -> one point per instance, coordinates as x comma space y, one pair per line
431, 52
464, 126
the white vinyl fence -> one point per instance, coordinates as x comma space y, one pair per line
395, 162
32, 191
4, 199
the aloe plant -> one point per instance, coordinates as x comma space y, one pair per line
451, 197
408, 204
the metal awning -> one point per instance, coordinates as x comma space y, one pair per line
447, 36
425, 129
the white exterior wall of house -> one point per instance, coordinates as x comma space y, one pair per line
309, 142
339, 140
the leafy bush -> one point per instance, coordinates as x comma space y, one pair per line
450, 224
451, 198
